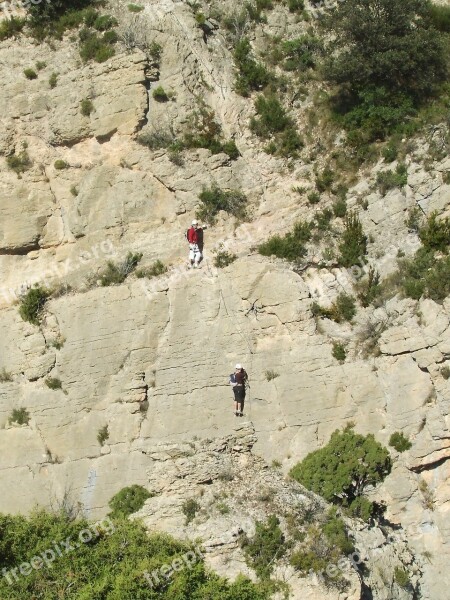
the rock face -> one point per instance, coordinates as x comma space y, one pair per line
150, 358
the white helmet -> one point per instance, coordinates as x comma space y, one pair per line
238, 366
194, 222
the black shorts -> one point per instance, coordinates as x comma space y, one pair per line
239, 393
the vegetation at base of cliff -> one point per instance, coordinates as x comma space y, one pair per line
32, 304
341, 471
106, 561
265, 547
387, 59
128, 501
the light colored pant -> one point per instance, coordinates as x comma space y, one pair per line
194, 253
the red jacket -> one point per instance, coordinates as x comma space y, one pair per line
192, 235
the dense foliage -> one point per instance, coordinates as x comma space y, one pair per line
267, 545
110, 566
214, 199
344, 468
386, 59
290, 246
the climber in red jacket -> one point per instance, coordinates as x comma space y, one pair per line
194, 236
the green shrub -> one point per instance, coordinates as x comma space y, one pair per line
117, 563
20, 416
296, 5
435, 234
265, 547
339, 352
86, 107
422, 275
340, 208
5, 376
251, 75
445, 372
342, 309
115, 274
399, 442
272, 117
40, 64
204, 131
440, 16
313, 197
224, 258
30, 73
401, 577
290, 246
32, 305
157, 139
342, 470
322, 219
128, 501
414, 219
390, 152
214, 199
135, 8
155, 51
370, 288
95, 47
155, 270
354, 243
190, 508
105, 22
160, 95
102, 435
377, 88
19, 163
60, 165
271, 374
53, 80
301, 53
387, 180
11, 27
53, 383
74, 190
324, 181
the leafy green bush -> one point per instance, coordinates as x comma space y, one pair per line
344, 468
290, 246
19, 163
390, 152
265, 547
322, 219
86, 107
301, 53
353, 247
53, 383
271, 374
95, 47
32, 304
135, 8
60, 165
296, 5
377, 88
224, 258
440, 16
214, 199
160, 95
369, 288
53, 80
272, 117
339, 352
401, 577
435, 234
157, 139
203, 131
251, 75
190, 508
11, 27
105, 22
20, 416
313, 197
114, 274
116, 563
128, 501
387, 180
324, 181
155, 270
340, 208
342, 309
30, 73
102, 435
399, 442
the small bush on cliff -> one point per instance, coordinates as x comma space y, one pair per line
114, 274
290, 246
20, 416
19, 163
265, 547
251, 74
107, 559
353, 247
128, 501
190, 508
11, 27
32, 304
155, 270
399, 442
214, 199
344, 468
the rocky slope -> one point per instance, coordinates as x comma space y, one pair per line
150, 358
